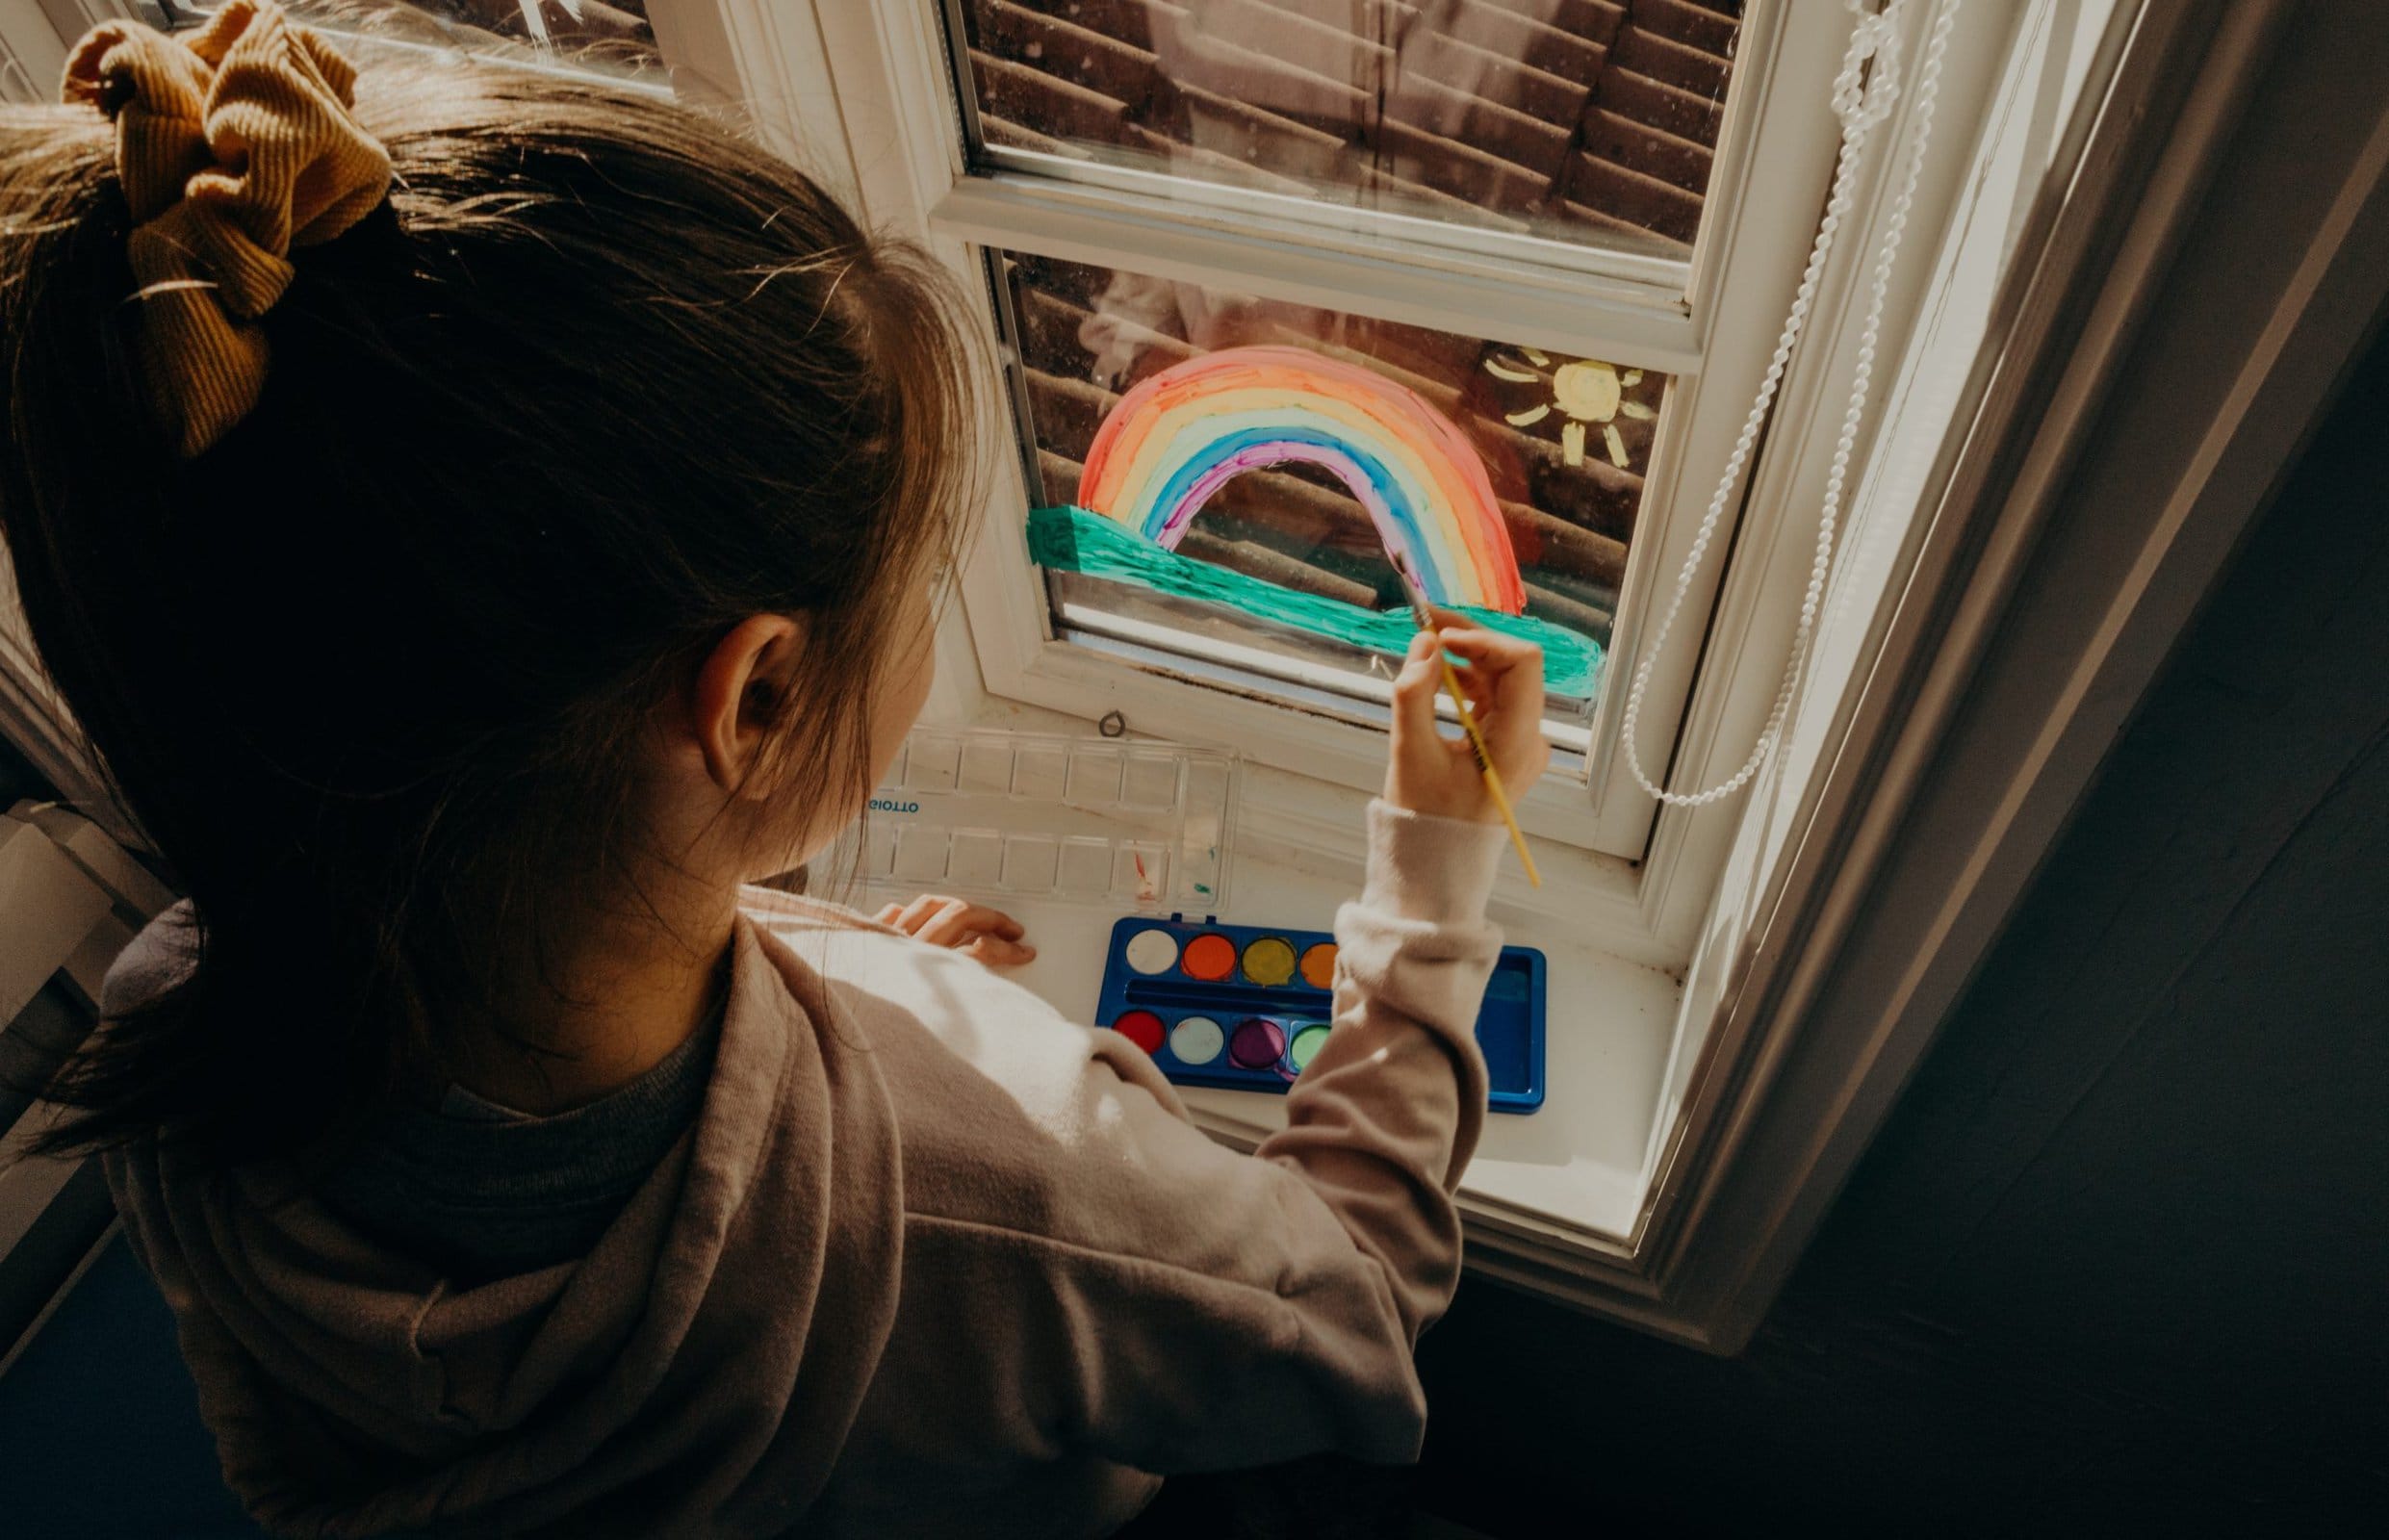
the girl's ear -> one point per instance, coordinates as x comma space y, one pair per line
739, 689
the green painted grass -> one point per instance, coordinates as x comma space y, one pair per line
1075, 540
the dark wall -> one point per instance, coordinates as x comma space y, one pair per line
2118, 1263
18, 779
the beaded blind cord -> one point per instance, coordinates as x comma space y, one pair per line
1861, 101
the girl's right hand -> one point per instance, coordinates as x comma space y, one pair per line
1502, 678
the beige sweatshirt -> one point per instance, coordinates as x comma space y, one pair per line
932, 1260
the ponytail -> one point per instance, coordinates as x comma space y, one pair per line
372, 660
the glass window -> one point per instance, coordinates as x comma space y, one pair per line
1222, 478
1591, 121
16, 84
596, 27
609, 38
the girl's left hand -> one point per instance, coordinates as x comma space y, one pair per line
989, 935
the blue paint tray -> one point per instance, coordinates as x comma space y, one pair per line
1243, 1006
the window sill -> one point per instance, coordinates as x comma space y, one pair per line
1571, 1175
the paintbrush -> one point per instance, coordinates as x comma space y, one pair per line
1422, 616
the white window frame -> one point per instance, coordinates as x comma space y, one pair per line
860, 89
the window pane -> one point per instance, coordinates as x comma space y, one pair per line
604, 37
599, 26
1281, 450
16, 81
1586, 120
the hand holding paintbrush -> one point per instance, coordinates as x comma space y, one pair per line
1498, 690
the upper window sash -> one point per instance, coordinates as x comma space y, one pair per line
1256, 107
1636, 307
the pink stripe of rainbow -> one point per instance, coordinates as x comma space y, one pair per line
1175, 439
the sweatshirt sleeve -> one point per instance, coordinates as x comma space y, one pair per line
1184, 1307
1383, 1120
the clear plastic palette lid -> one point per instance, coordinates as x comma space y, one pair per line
1143, 827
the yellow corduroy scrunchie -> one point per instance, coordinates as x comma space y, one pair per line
233, 147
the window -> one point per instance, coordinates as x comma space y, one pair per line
1281, 570
1567, 119
1568, 143
33, 35
613, 38
1539, 222
597, 28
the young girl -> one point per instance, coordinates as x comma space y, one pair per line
482, 519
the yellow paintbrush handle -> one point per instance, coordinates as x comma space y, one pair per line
1485, 763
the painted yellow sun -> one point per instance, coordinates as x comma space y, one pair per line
1587, 392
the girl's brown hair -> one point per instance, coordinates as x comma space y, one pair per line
598, 381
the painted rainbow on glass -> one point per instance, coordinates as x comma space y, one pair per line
1178, 437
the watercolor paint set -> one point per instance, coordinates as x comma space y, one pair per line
1245, 1007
